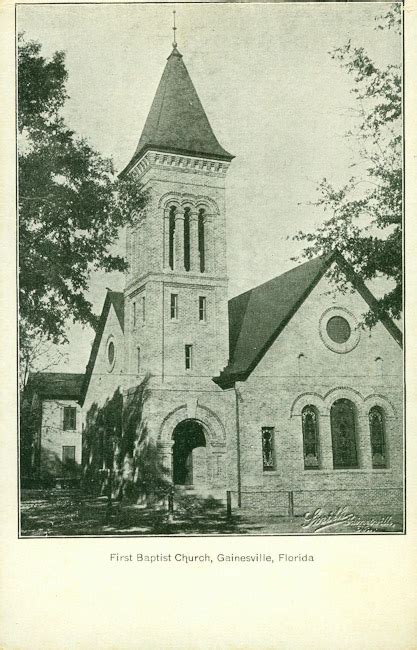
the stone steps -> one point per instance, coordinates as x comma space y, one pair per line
197, 491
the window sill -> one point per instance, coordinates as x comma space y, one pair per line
351, 470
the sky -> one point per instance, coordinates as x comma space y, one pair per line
272, 93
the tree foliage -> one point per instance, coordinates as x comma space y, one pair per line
365, 222
71, 203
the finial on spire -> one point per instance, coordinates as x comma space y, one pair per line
174, 29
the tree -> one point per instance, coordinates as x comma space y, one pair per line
36, 351
30, 423
71, 205
366, 213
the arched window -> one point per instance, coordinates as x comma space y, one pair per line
201, 239
343, 425
377, 432
309, 420
187, 239
172, 212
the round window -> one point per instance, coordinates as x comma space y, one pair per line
110, 352
338, 329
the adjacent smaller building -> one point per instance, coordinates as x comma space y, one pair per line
52, 443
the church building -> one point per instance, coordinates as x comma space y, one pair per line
278, 395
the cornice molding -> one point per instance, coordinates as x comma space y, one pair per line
179, 162
172, 278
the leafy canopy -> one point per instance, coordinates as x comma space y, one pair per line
365, 222
71, 204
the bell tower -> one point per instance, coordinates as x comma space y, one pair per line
176, 307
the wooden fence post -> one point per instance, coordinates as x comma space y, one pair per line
228, 504
291, 504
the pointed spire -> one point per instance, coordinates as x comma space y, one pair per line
177, 122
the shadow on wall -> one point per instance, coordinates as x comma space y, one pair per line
53, 470
120, 457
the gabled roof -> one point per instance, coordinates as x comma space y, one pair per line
115, 298
55, 385
277, 300
177, 121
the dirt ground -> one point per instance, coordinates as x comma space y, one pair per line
64, 513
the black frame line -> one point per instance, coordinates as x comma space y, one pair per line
185, 536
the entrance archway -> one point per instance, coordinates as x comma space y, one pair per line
189, 462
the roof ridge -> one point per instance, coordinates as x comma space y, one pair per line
281, 275
108, 302
252, 336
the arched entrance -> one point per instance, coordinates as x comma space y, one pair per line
189, 461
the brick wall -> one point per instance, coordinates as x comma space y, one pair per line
384, 501
162, 340
277, 390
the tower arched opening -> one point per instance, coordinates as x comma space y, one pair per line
189, 461
171, 251
187, 243
201, 239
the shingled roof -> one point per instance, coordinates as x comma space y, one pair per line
277, 300
115, 298
177, 122
56, 385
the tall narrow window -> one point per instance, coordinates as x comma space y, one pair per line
310, 437
187, 239
343, 426
172, 212
268, 455
174, 306
201, 239
70, 418
138, 359
377, 431
202, 309
188, 357
143, 308
134, 314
